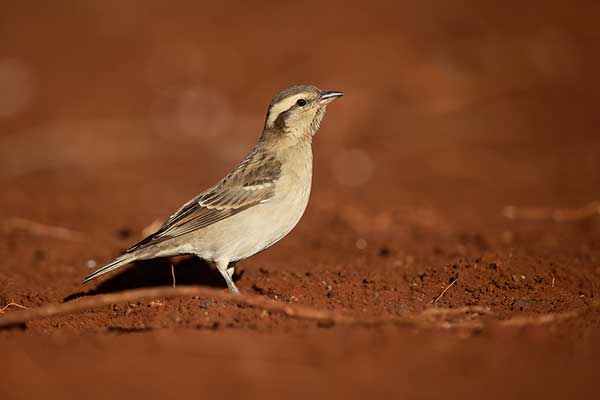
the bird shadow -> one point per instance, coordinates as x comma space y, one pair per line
188, 270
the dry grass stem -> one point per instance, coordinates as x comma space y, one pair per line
173, 276
444, 291
38, 229
12, 304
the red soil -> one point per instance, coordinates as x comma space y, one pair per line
120, 114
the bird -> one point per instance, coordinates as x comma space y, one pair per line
255, 205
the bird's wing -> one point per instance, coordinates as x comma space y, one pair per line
251, 183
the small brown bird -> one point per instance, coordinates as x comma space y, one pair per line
254, 206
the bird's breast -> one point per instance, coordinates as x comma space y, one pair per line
293, 191
263, 225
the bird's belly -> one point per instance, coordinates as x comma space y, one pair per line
250, 231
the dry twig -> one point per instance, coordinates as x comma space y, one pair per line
37, 229
430, 318
545, 319
81, 304
449, 312
552, 214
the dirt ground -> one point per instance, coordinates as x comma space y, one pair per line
465, 130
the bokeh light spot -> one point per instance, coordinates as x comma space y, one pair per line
16, 86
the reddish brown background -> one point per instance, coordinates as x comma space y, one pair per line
114, 113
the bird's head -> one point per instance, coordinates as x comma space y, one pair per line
297, 111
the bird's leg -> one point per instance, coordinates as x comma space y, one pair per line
231, 269
223, 269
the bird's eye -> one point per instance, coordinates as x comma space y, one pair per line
301, 102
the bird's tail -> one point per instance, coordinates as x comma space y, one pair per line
116, 263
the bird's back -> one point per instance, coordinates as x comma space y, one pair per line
252, 230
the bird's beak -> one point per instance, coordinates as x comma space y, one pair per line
329, 96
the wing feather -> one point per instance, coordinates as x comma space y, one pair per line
250, 184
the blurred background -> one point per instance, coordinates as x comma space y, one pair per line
114, 113
486, 103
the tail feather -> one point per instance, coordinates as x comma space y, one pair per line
116, 263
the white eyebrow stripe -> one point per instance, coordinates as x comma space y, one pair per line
282, 106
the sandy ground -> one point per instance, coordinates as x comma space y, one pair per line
113, 115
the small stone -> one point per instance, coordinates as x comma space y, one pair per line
522, 303
204, 304
361, 244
